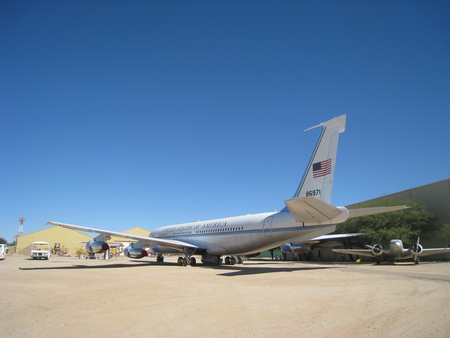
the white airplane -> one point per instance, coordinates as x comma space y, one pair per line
395, 252
306, 215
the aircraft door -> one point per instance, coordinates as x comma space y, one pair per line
267, 228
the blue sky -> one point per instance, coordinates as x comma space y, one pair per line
116, 114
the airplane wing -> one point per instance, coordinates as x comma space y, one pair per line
338, 236
171, 243
434, 251
373, 211
360, 252
311, 210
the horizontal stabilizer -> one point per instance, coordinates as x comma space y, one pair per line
373, 211
311, 210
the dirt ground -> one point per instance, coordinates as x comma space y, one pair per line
71, 297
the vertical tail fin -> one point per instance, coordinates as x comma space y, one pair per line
319, 175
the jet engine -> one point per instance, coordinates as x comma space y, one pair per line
94, 246
377, 250
135, 252
297, 248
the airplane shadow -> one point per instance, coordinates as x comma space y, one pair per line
81, 266
228, 270
257, 269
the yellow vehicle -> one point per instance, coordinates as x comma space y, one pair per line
81, 251
59, 250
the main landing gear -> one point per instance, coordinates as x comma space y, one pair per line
185, 261
234, 260
229, 260
187, 258
182, 261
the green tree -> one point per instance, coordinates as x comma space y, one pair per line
406, 225
3, 241
444, 232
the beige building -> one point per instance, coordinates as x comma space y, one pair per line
67, 238
71, 239
138, 231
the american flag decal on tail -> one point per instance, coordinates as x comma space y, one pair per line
322, 168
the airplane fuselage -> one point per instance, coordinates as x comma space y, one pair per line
396, 250
236, 235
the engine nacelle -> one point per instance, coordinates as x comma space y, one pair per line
94, 246
135, 252
297, 248
377, 250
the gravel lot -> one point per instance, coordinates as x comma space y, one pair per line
71, 297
